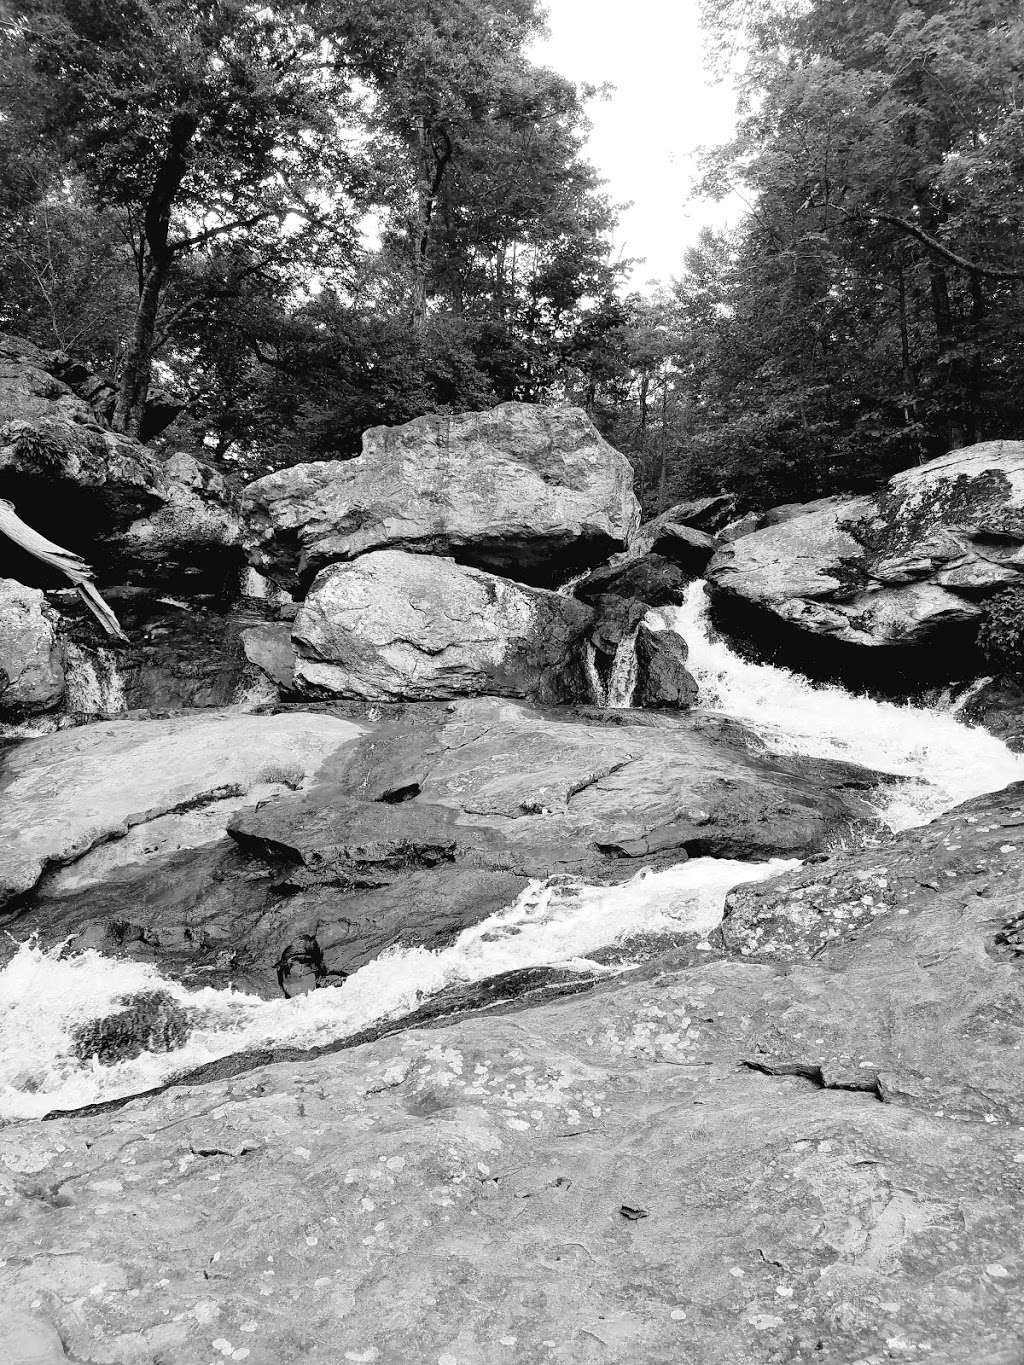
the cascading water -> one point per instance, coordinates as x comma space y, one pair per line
95, 686
945, 761
45, 995
617, 693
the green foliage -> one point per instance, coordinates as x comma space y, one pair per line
1001, 633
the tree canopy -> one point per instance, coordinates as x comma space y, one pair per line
314, 217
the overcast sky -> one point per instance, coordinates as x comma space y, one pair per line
645, 137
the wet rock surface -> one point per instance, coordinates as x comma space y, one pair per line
571, 796
427, 825
532, 493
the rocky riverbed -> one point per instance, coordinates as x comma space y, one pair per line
413, 952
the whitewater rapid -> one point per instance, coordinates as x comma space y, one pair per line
46, 995
944, 761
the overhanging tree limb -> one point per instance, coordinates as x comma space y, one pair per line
991, 272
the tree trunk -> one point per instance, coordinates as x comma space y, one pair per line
133, 388
945, 334
908, 378
434, 146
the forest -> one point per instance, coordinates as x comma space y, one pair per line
307, 219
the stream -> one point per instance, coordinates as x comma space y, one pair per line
46, 995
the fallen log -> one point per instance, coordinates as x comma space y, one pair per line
66, 562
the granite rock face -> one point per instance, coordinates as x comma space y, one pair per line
420, 827
399, 626
583, 796
906, 570
531, 493
31, 656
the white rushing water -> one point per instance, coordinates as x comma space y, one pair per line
946, 761
46, 995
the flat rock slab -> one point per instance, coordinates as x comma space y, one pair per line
577, 796
67, 793
528, 492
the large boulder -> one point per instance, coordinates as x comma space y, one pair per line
902, 574
528, 492
652, 579
398, 626
136, 517
31, 655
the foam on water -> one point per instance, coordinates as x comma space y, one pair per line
946, 761
44, 996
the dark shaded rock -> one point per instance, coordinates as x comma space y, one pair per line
685, 546
268, 647
663, 680
651, 579
221, 914
998, 705
703, 514
530, 493
150, 1021
180, 655
328, 837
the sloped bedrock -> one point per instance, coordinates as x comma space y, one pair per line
888, 589
923, 943
682, 1165
529, 493
96, 791
580, 796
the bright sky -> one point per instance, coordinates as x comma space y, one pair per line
645, 137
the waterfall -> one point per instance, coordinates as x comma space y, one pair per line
945, 760
617, 693
94, 684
